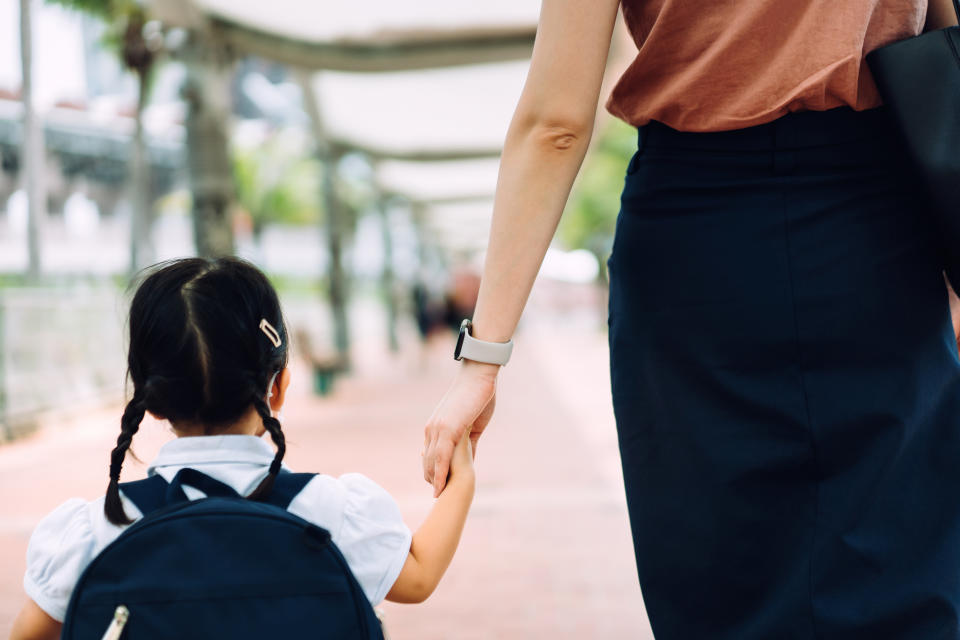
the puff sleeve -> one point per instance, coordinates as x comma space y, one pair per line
372, 536
60, 548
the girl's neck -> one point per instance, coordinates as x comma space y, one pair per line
250, 424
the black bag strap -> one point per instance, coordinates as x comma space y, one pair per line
286, 486
148, 494
154, 492
188, 477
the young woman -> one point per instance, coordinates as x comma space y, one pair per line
785, 376
208, 352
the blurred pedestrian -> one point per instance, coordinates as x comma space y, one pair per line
784, 371
461, 298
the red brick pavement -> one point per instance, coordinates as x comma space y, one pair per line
546, 552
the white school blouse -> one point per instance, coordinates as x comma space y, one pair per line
362, 518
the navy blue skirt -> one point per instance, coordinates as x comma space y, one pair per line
786, 384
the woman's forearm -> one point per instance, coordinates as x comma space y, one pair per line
546, 142
545, 145
539, 164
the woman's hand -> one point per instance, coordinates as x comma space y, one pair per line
467, 405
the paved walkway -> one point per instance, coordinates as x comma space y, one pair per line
546, 552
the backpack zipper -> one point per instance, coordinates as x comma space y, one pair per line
115, 629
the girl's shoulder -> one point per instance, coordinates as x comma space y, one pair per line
60, 548
365, 524
346, 505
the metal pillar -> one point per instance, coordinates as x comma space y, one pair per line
207, 92
33, 149
335, 214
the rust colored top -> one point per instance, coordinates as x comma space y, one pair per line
716, 65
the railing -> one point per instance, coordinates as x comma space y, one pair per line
58, 349
65, 349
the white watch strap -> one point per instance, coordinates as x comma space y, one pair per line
482, 351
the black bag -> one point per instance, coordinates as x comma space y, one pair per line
919, 81
219, 567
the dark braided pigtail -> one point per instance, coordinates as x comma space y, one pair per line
129, 425
272, 425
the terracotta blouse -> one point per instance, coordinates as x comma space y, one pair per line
727, 64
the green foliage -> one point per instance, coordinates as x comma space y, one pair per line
106, 10
591, 214
277, 182
116, 16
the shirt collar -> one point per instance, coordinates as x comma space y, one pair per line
224, 449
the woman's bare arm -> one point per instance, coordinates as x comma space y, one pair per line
544, 149
545, 145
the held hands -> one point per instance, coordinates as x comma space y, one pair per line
461, 462
466, 408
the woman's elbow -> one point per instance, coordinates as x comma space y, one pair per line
561, 137
556, 133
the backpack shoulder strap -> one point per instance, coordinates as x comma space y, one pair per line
148, 494
286, 486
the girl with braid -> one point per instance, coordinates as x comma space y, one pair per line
208, 353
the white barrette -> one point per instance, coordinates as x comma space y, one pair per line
270, 332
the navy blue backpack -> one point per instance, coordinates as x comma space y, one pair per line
219, 567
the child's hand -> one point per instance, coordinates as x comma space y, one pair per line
461, 464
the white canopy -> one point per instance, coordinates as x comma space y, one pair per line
401, 81
438, 181
463, 109
373, 20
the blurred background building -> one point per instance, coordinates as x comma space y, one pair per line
350, 150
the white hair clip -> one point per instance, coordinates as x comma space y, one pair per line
270, 332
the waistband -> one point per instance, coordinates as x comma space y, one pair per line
793, 130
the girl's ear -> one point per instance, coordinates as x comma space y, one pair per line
279, 389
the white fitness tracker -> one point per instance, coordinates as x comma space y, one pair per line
479, 350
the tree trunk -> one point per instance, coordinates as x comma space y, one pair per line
141, 246
31, 165
208, 95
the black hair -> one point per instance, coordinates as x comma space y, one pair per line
199, 354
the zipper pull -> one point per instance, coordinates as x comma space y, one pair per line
120, 616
